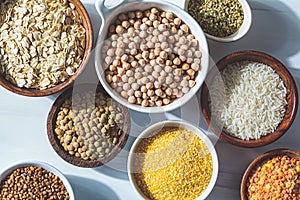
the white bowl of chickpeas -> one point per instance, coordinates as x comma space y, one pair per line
34, 180
151, 56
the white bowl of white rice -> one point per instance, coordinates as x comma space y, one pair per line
249, 99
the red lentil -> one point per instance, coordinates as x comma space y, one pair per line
278, 178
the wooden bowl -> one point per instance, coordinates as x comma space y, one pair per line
258, 162
281, 70
51, 124
88, 48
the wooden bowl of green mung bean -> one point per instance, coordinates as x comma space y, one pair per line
86, 127
223, 21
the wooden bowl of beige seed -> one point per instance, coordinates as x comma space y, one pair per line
86, 127
151, 56
44, 47
249, 99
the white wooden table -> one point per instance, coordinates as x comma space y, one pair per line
275, 30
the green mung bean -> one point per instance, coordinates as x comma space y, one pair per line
220, 18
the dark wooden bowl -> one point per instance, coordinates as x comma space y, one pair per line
280, 69
88, 48
51, 124
259, 161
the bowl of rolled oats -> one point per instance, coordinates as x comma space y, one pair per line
43, 47
151, 56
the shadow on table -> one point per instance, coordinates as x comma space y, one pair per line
88, 189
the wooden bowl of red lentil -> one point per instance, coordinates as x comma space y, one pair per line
167, 157
59, 67
260, 103
272, 175
86, 127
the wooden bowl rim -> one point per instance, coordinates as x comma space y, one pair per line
31, 92
292, 97
55, 143
260, 160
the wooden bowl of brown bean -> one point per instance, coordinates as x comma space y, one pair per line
45, 61
249, 99
150, 55
272, 175
86, 127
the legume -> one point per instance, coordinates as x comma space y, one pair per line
89, 125
33, 183
277, 178
219, 18
144, 44
173, 164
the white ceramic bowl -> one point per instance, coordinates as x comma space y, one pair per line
242, 30
179, 124
6, 172
108, 16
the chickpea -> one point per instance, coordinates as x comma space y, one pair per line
143, 89
191, 72
195, 66
139, 14
162, 27
185, 66
166, 101
158, 92
176, 61
177, 21
119, 29
131, 99
159, 103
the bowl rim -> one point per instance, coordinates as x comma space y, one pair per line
8, 170
154, 129
191, 22
285, 75
260, 160
32, 92
55, 143
241, 32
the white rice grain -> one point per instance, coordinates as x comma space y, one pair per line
250, 101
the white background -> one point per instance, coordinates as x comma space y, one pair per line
275, 30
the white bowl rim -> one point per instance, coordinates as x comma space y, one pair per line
181, 124
8, 170
242, 31
190, 21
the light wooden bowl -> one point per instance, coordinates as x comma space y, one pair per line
51, 124
258, 162
88, 48
281, 70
